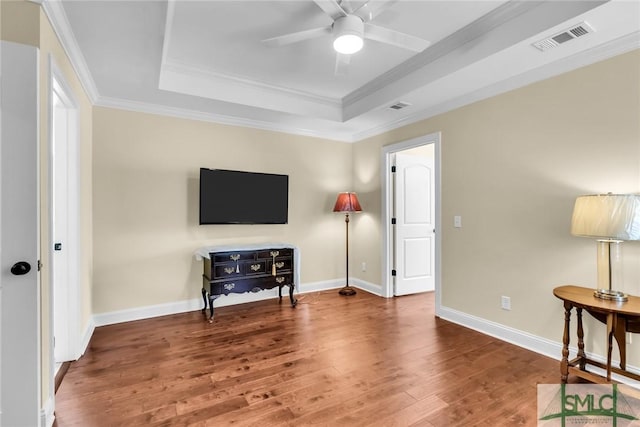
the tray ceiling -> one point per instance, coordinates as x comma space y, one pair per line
205, 59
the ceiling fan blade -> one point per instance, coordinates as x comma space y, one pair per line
331, 8
296, 37
342, 64
346, 6
371, 9
395, 38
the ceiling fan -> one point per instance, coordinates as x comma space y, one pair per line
349, 29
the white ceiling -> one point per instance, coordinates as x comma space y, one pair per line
205, 60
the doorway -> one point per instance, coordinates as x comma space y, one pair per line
429, 254
64, 221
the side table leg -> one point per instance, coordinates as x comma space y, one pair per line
204, 297
581, 355
611, 330
564, 363
621, 336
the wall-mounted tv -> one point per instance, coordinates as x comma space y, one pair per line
237, 197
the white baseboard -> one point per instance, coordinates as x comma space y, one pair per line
86, 337
531, 342
367, 286
47, 415
184, 306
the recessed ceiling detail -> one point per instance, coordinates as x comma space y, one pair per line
205, 60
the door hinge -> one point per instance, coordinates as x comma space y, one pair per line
393, 272
393, 169
393, 221
39, 265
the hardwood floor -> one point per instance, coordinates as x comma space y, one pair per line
332, 361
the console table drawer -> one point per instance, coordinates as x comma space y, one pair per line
242, 285
277, 253
234, 269
233, 256
282, 265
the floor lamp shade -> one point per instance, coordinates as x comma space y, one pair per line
610, 219
347, 203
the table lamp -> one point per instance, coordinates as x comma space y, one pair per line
347, 203
610, 219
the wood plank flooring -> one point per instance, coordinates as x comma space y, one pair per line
331, 361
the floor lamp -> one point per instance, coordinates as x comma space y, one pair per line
610, 219
347, 203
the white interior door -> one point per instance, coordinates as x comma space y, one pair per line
415, 224
63, 177
19, 285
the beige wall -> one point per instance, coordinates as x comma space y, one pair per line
512, 167
145, 186
19, 22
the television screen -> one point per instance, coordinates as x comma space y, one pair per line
235, 197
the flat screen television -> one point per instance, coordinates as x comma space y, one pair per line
237, 197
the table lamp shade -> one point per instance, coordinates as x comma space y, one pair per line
347, 202
607, 216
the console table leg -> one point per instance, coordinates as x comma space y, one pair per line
280, 292
293, 300
212, 298
564, 363
581, 355
204, 298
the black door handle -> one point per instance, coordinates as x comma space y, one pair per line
20, 268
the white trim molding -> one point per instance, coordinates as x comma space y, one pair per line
60, 24
546, 347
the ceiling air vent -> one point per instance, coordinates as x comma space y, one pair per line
399, 106
574, 32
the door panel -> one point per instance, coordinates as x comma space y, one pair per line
414, 230
20, 297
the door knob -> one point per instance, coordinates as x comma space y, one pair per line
20, 268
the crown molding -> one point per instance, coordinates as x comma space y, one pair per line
58, 19
163, 110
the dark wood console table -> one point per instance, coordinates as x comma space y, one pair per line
252, 268
619, 318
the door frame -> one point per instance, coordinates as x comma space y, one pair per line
59, 86
387, 211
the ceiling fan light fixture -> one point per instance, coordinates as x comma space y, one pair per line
348, 34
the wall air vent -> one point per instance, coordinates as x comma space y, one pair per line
399, 105
574, 32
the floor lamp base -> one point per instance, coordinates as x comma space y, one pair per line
347, 291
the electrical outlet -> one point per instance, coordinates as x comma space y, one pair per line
364, 266
505, 303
